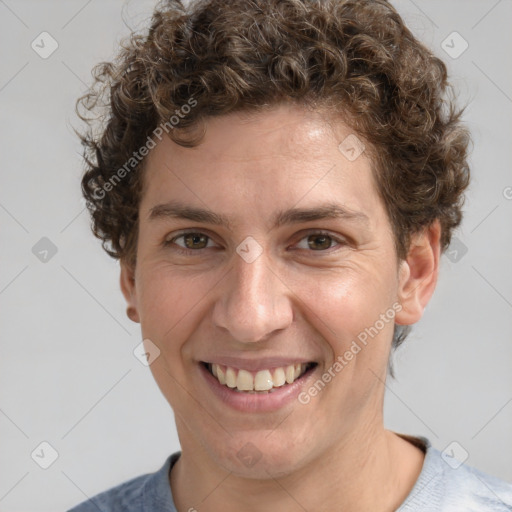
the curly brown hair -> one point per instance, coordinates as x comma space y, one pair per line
353, 57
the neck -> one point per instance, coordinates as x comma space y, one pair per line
334, 480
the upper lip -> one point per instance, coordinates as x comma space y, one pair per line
254, 365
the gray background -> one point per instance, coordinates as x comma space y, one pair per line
68, 375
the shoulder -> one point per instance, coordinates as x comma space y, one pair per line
474, 490
126, 496
145, 492
448, 485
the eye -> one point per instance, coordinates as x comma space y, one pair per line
319, 241
190, 241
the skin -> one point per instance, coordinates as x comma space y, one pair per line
291, 301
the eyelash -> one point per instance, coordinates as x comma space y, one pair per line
189, 252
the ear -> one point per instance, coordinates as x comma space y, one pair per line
127, 281
418, 274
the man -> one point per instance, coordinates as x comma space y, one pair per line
279, 180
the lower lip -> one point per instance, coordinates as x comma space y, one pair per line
257, 402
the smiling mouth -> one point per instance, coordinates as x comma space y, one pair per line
262, 381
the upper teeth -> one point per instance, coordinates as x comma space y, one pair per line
262, 380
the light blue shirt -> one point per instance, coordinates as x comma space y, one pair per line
439, 488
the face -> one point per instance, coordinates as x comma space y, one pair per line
261, 249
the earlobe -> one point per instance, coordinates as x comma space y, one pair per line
418, 274
127, 282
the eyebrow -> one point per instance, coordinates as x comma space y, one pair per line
177, 210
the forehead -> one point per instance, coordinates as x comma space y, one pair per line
276, 158
286, 131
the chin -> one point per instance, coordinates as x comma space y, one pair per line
259, 455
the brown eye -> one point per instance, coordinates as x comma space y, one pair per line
189, 242
319, 242
195, 240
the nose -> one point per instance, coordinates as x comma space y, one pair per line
253, 301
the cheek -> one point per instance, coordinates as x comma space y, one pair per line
347, 310
341, 304
170, 301
171, 304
